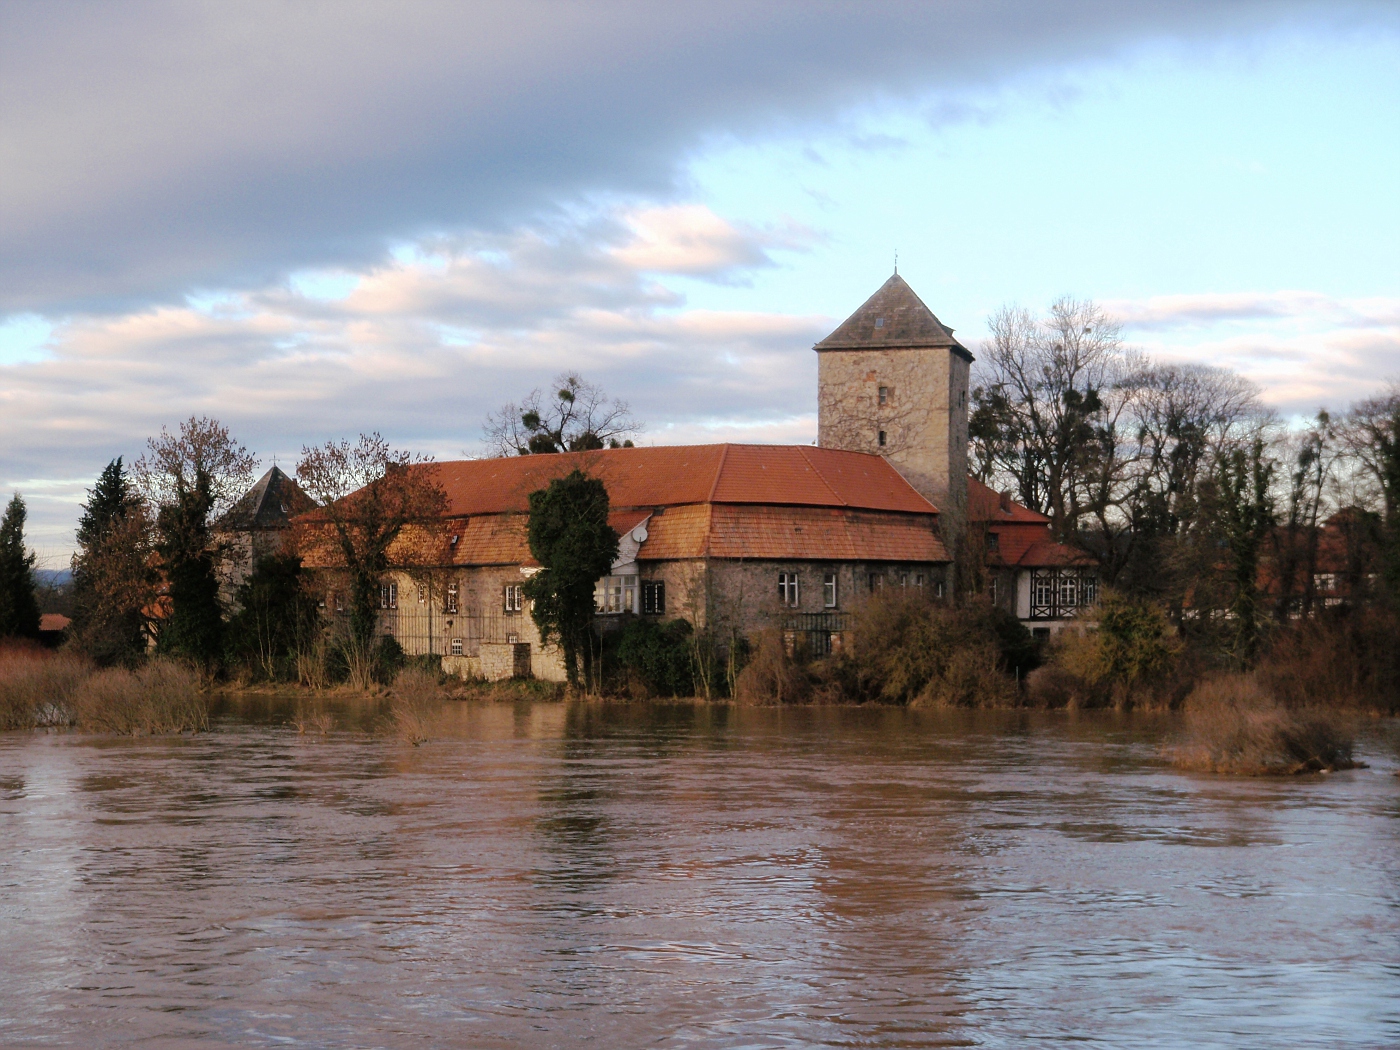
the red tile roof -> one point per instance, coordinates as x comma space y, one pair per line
673, 475
54, 622
985, 504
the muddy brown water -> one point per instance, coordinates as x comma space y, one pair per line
690, 876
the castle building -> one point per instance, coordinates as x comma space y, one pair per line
737, 538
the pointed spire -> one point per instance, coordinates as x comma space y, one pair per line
892, 317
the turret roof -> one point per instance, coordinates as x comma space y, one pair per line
893, 317
270, 504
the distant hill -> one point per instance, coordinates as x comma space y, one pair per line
53, 577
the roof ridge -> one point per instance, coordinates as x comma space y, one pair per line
820, 477
719, 472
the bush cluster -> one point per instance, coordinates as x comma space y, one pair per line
40, 688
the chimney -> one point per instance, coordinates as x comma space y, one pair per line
1006, 501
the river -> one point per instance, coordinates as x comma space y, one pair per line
678, 875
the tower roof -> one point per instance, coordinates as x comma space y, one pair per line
270, 504
892, 317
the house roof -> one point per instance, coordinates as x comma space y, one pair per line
893, 317
674, 475
269, 504
984, 504
728, 531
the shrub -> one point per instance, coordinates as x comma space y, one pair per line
659, 656
906, 649
162, 696
1126, 653
774, 675
415, 706
1342, 656
1234, 724
36, 686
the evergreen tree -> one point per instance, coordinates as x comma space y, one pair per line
112, 578
19, 609
1244, 515
195, 626
572, 540
275, 613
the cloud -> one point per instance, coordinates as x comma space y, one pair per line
154, 148
1306, 350
421, 348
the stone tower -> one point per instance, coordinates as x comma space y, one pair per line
892, 380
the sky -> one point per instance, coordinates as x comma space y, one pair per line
311, 220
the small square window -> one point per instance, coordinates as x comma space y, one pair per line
512, 639
455, 647
879, 322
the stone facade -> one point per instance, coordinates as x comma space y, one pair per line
893, 382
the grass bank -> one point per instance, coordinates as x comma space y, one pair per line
43, 689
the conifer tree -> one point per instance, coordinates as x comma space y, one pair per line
19, 609
113, 583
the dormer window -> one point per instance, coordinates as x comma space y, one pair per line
879, 322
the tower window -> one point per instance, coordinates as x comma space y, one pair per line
882, 439
884, 395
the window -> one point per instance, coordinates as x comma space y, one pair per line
884, 395
511, 639
876, 581
388, 595
904, 579
787, 588
654, 597
455, 647
881, 439
615, 594
452, 599
515, 600
938, 590
1325, 582
1057, 593
992, 589
422, 595
829, 590
338, 601
918, 579
993, 541
879, 322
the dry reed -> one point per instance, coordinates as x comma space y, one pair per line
1235, 724
162, 696
415, 705
36, 686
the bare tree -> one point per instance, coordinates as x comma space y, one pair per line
1044, 413
578, 417
201, 454
1371, 435
188, 477
378, 512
